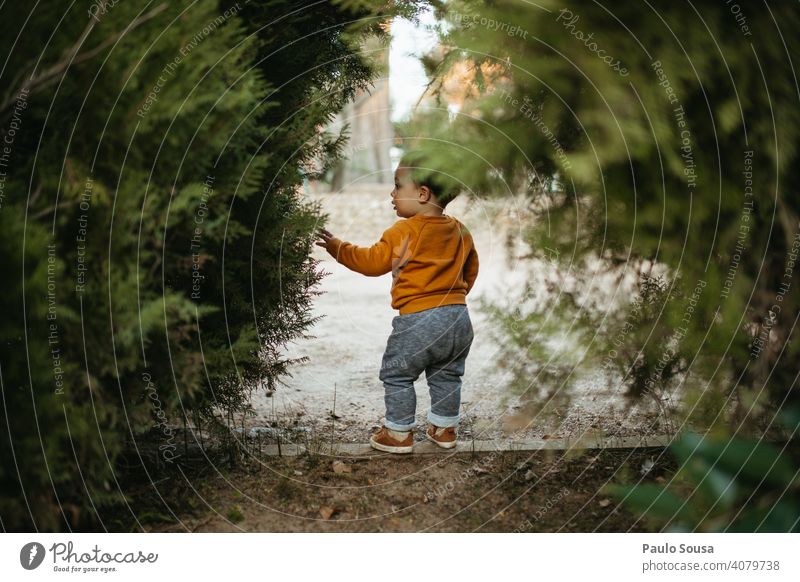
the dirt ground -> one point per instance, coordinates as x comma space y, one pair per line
543, 491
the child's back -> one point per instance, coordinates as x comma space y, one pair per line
434, 265
432, 260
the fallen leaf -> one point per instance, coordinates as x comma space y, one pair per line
340, 467
604, 502
296, 472
326, 512
530, 475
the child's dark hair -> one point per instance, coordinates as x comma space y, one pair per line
439, 182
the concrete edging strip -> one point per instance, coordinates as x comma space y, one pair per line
477, 446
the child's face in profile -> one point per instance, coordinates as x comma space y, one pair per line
408, 199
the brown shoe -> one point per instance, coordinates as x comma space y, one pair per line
384, 441
445, 437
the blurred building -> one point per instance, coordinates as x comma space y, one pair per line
367, 155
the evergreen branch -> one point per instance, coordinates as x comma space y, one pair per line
71, 56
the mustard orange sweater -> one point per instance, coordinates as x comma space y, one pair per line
432, 260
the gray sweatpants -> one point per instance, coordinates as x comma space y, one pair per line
435, 341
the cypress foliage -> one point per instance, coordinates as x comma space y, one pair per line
156, 250
658, 144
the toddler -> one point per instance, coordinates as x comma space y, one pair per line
434, 265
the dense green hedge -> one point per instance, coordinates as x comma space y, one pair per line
156, 252
644, 135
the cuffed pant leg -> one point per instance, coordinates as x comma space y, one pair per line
444, 383
444, 377
398, 375
401, 406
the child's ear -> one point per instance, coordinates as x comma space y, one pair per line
425, 194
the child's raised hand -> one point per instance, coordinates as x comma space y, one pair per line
325, 236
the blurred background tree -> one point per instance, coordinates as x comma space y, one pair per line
657, 147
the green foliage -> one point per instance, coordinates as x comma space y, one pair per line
675, 152
657, 148
553, 334
723, 484
159, 150
541, 354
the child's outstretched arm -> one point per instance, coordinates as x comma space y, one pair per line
371, 261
